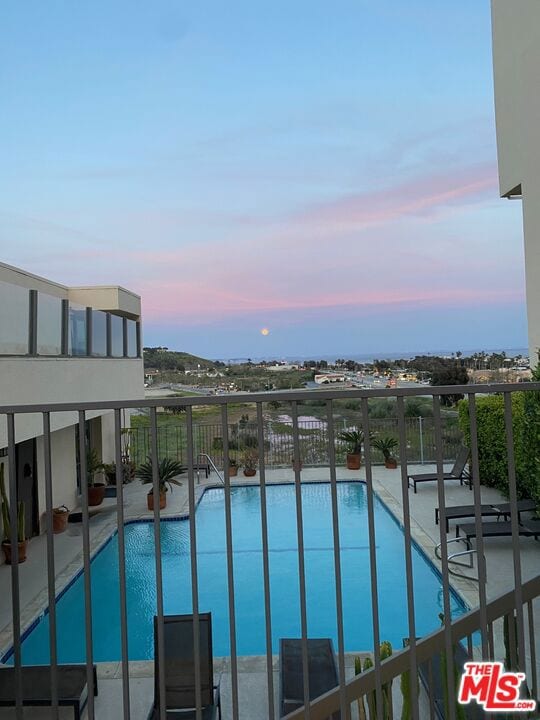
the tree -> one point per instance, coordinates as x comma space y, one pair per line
450, 374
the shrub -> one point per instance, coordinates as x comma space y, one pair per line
491, 432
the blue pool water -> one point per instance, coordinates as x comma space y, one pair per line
248, 575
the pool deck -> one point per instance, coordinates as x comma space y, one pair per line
252, 676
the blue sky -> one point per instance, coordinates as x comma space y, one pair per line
327, 171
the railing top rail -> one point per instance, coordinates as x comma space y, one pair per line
282, 395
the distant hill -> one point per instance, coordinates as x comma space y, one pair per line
161, 358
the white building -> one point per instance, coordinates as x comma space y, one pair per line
516, 60
63, 344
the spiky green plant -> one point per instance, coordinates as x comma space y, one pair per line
459, 710
386, 651
167, 470
93, 466
386, 445
354, 439
360, 700
371, 697
6, 523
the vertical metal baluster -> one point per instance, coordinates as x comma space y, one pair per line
193, 558
372, 554
301, 564
512, 639
230, 567
444, 555
491, 642
266, 570
86, 563
15, 587
532, 647
154, 457
413, 666
345, 707
121, 561
515, 531
51, 575
475, 480
470, 648
430, 686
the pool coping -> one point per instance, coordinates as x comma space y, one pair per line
38, 608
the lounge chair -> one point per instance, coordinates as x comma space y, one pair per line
527, 528
458, 472
36, 686
179, 670
501, 510
323, 674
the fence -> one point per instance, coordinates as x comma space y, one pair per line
279, 445
483, 634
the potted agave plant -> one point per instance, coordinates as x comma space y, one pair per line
354, 440
249, 460
233, 465
21, 538
386, 445
167, 470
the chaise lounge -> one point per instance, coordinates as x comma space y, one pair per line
502, 510
180, 691
323, 674
458, 472
36, 687
527, 528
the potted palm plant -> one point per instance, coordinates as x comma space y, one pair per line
386, 445
21, 538
355, 440
94, 466
167, 470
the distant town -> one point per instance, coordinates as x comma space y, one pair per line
182, 371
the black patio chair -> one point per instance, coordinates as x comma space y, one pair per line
527, 528
500, 510
322, 669
458, 472
36, 686
179, 671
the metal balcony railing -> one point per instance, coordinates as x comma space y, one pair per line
479, 631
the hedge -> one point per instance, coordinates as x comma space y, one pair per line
491, 432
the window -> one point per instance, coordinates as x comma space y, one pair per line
131, 326
14, 319
49, 325
77, 330
99, 333
117, 336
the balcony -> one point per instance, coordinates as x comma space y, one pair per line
475, 592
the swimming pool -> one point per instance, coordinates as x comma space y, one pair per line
248, 576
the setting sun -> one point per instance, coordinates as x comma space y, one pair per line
265, 331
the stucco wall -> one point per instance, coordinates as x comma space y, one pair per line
516, 61
49, 380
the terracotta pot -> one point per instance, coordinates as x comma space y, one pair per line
248, 472
390, 464
233, 470
354, 460
96, 493
162, 500
6, 547
59, 520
